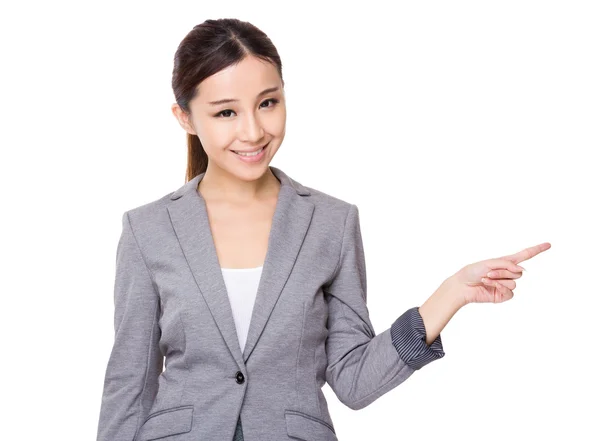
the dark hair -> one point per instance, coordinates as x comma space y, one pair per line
207, 49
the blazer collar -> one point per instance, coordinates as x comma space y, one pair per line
192, 184
292, 217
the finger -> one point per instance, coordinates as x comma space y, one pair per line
528, 253
504, 274
506, 283
499, 264
506, 293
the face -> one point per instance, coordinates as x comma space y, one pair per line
241, 108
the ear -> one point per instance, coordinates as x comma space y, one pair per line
183, 118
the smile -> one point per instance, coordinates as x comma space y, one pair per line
250, 153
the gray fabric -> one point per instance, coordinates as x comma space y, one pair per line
310, 325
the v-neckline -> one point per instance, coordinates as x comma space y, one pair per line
291, 219
214, 245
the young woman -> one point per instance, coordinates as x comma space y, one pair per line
250, 286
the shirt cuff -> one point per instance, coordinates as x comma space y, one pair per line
408, 337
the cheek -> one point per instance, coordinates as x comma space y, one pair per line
276, 125
216, 137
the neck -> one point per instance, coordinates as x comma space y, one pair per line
220, 185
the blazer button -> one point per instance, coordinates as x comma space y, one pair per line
239, 377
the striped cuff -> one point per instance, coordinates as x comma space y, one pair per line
408, 337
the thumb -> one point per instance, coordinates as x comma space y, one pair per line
503, 263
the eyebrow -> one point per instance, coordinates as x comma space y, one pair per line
231, 100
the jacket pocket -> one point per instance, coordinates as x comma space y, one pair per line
307, 427
166, 422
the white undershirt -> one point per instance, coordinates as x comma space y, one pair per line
242, 285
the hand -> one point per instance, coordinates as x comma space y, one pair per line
475, 284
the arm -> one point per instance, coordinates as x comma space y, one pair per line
131, 379
425, 324
439, 309
362, 366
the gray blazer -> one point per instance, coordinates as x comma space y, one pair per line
310, 325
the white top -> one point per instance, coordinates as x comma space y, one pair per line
242, 285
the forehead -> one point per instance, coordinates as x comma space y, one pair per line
240, 81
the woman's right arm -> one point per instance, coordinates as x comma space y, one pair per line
135, 362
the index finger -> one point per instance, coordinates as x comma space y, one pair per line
528, 253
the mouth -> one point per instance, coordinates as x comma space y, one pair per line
252, 153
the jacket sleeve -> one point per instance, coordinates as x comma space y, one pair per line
135, 362
362, 366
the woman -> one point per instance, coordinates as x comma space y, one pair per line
250, 286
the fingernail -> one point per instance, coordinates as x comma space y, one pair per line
523, 269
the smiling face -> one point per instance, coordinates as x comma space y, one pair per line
241, 108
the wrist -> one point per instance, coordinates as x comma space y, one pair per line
450, 290
439, 308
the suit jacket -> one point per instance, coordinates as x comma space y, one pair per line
310, 325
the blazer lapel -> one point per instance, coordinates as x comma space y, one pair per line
291, 219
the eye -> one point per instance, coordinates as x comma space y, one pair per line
221, 114
275, 101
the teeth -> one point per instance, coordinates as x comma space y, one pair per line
251, 154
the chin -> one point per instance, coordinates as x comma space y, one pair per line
252, 173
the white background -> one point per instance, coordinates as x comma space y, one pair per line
462, 130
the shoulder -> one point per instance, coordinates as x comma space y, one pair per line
332, 214
321, 199
152, 211
328, 202
327, 206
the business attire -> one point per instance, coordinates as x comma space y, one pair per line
241, 285
309, 325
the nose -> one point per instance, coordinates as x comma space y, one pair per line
251, 130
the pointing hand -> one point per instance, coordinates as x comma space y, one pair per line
493, 280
